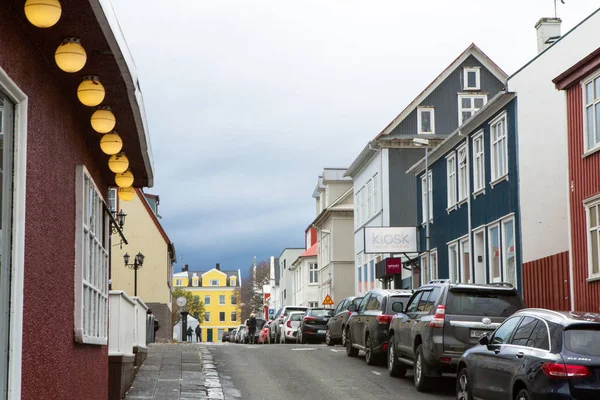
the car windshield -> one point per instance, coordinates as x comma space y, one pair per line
583, 340
296, 316
321, 313
491, 304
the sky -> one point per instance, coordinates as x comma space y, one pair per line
248, 101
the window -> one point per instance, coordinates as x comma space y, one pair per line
424, 268
427, 197
313, 304
206, 317
592, 113
373, 303
221, 299
414, 303
312, 271
453, 261
463, 174
509, 262
433, 271
425, 120
207, 300
375, 198
372, 273
494, 252
451, 171
363, 210
359, 275
91, 260
363, 303
503, 334
469, 105
465, 261
521, 336
233, 299
499, 148
232, 280
221, 316
233, 317
478, 163
369, 199
214, 282
357, 209
540, 339
471, 78
195, 281
178, 282
112, 200
220, 334
593, 239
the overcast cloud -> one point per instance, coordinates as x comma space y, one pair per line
248, 101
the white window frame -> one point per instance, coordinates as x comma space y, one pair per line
420, 110
424, 263
207, 316
595, 103
233, 316
313, 270
232, 281
500, 141
453, 272
504, 222
478, 163
465, 246
222, 297
369, 199
112, 200
490, 252
477, 71
195, 281
91, 292
357, 208
178, 282
433, 255
471, 109
462, 173
424, 199
375, 194
588, 205
207, 303
313, 304
363, 199
452, 188
224, 315
212, 282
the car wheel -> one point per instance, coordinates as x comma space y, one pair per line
302, 338
395, 368
328, 337
370, 358
463, 390
343, 336
523, 395
350, 351
282, 338
422, 381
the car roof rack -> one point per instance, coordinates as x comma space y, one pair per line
507, 284
439, 281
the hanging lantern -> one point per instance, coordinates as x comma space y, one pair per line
111, 143
43, 13
70, 56
90, 91
118, 163
126, 194
124, 179
103, 120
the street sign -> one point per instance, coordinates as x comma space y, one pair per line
328, 301
271, 311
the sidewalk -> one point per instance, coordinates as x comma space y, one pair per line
182, 371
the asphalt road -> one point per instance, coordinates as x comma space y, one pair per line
258, 372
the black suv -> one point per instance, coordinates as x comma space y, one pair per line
367, 326
336, 326
441, 321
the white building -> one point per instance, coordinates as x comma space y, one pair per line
305, 274
275, 274
286, 280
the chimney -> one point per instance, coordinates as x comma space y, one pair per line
548, 32
218, 267
185, 268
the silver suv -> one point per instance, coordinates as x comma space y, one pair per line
441, 321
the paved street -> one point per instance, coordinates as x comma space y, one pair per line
308, 372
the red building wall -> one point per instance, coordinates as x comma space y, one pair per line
54, 366
546, 282
584, 175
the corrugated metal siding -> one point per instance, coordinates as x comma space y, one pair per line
584, 174
403, 186
546, 282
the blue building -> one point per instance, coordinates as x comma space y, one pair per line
473, 201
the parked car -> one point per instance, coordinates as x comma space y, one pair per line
313, 325
441, 321
240, 334
367, 327
289, 327
264, 336
281, 314
232, 335
535, 354
226, 337
337, 323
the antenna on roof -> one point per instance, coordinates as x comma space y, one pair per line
555, 9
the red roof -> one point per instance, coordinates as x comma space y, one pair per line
311, 252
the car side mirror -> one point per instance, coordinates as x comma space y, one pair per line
484, 340
352, 308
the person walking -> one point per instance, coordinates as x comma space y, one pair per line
198, 334
189, 334
251, 328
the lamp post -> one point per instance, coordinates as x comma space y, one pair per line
138, 261
425, 142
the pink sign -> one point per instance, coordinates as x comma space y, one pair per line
393, 266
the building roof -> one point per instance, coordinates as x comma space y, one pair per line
150, 212
311, 252
190, 274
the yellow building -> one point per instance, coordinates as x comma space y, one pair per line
217, 289
145, 235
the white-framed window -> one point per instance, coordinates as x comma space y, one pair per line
509, 260
369, 199
375, 194
207, 300
469, 104
195, 281
221, 299
178, 282
233, 299
453, 261
112, 200
433, 270
478, 163
221, 316
313, 270
233, 316
363, 201
593, 239
463, 174
465, 261
472, 78
494, 252
232, 281
313, 304
591, 99
91, 262
424, 269
357, 209
214, 282
451, 179
425, 121
207, 316
499, 148
427, 197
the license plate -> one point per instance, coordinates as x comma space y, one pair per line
321, 331
478, 333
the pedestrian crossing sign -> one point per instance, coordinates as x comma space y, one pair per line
328, 301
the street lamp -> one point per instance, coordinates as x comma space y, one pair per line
138, 261
425, 142
120, 218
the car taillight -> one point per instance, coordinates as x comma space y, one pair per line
289, 324
384, 319
309, 318
438, 318
565, 371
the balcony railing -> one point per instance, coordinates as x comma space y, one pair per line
140, 331
122, 323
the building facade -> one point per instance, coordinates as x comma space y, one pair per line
305, 273
286, 281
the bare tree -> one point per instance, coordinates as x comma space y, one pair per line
251, 294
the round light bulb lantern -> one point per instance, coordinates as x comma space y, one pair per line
111, 143
124, 179
103, 120
43, 13
126, 194
118, 163
90, 91
70, 56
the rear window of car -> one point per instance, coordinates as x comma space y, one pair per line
321, 313
260, 323
291, 310
296, 317
582, 340
491, 304
396, 304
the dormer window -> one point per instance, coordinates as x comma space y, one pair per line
232, 281
425, 121
195, 281
472, 78
214, 282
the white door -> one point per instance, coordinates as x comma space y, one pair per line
479, 256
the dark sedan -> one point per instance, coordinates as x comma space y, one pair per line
337, 323
314, 325
226, 337
535, 354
